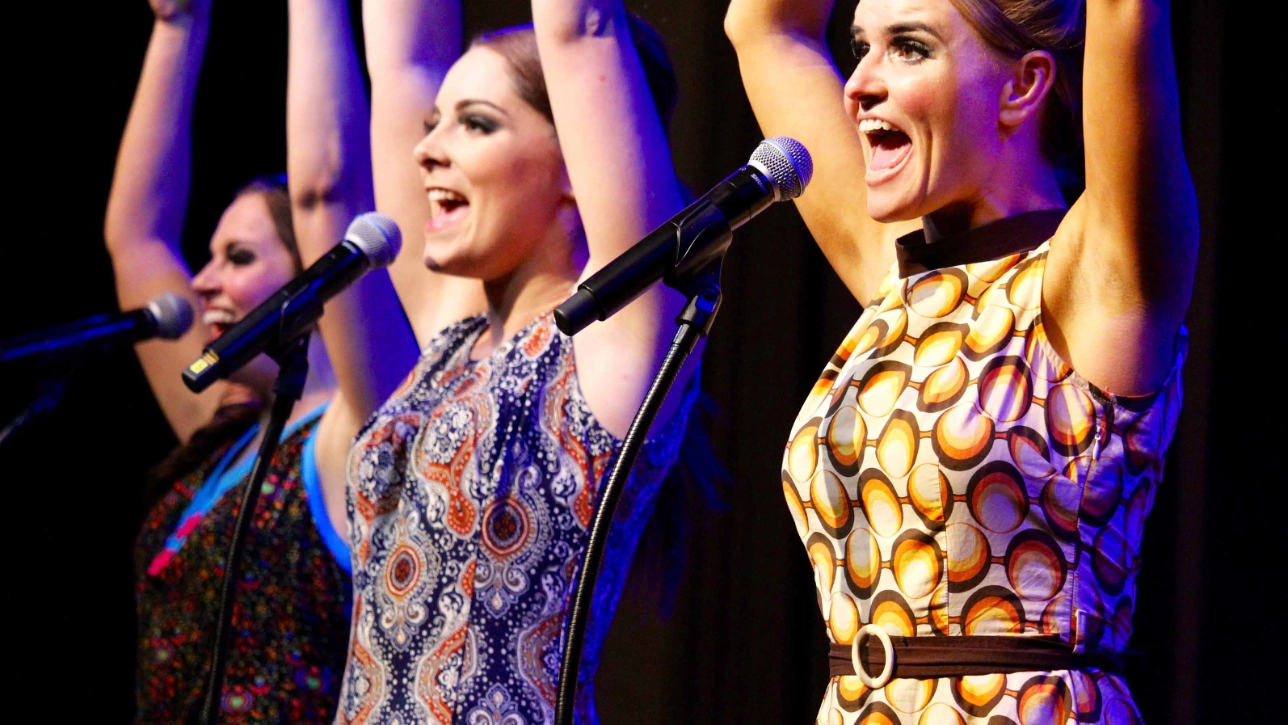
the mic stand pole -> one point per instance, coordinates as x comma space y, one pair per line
703, 288
294, 361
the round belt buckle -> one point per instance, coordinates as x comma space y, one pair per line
872, 630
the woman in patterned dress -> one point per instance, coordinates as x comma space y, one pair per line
471, 489
971, 474
291, 616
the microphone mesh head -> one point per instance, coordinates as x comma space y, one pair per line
172, 313
377, 236
787, 163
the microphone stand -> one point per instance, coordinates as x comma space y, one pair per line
703, 288
294, 361
49, 393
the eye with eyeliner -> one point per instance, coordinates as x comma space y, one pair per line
859, 48
240, 256
909, 50
477, 122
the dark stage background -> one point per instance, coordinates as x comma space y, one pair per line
745, 643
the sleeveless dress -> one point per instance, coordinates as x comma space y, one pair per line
951, 475
471, 494
291, 616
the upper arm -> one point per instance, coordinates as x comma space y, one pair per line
795, 90
619, 165
410, 44
143, 270
1123, 265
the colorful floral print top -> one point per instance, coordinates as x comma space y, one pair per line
291, 616
471, 493
951, 475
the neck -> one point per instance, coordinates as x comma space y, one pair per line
520, 297
533, 288
319, 386
1025, 182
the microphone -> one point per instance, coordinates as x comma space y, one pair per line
779, 170
372, 240
167, 316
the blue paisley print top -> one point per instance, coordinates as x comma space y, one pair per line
471, 494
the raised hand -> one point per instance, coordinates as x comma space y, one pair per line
174, 10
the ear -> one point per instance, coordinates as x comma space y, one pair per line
1033, 76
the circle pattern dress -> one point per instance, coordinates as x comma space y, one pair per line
471, 496
951, 475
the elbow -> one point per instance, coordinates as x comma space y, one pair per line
737, 25
320, 186
559, 22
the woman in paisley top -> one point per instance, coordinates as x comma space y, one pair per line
291, 610
472, 487
971, 473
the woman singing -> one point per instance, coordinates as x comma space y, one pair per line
471, 489
291, 616
971, 473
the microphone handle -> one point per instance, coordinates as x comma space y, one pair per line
279, 319
126, 328
684, 244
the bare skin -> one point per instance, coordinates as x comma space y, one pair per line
965, 150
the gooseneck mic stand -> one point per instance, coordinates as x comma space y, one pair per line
703, 290
294, 361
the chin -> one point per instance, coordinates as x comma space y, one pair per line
889, 208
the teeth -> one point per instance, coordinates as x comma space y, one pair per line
218, 317
868, 125
445, 195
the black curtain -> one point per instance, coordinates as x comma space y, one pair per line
745, 643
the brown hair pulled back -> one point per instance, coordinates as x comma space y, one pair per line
518, 45
275, 194
1058, 27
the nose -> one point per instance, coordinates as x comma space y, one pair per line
206, 283
429, 152
866, 87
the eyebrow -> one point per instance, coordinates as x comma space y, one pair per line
466, 103
898, 28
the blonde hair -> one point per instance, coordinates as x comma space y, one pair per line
1058, 27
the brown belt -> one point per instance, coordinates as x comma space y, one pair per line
929, 657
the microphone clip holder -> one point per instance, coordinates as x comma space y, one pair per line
700, 281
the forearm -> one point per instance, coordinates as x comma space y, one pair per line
150, 186
328, 146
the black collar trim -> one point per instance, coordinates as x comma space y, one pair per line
1012, 235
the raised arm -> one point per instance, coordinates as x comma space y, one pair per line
795, 90
619, 164
145, 211
1119, 281
410, 44
368, 340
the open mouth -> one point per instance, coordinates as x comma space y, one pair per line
890, 148
218, 322
446, 207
